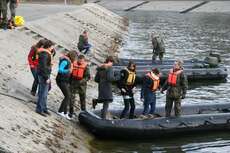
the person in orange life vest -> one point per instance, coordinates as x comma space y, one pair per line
176, 86
79, 77
44, 71
126, 83
63, 80
33, 63
151, 83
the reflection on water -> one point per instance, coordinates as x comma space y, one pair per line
211, 143
191, 35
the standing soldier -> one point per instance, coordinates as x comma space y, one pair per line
158, 47
150, 85
3, 14
176, 85
78, 82
126, 85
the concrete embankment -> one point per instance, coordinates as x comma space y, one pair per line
23, 130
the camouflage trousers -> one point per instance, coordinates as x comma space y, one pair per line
169, 104
76, 88
156, 54
3, 12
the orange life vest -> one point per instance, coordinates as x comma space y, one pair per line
172, 77
78, 70
155, 79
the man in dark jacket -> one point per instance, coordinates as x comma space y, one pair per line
104, 77
3, 14
126, 84
176, 86
78, 82
44, 71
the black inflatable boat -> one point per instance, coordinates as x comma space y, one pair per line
195, 118
194, 69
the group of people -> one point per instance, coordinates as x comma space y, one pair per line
176, 86
4, 22
73, 74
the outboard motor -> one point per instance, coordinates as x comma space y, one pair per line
213, 60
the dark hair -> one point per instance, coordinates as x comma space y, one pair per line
40, 43
130, 64
48, 44
155, 71
109, 59
81, 57
85, 31
71, 55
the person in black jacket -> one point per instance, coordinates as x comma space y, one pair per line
63, 80
104, 77
44, 71
126, 84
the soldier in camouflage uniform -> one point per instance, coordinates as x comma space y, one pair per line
158, 46
3, 14
78, 82
176, 86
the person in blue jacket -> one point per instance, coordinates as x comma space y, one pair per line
63, 79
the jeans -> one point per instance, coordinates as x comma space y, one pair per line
65, 88
149, 101
128, 102
35, 83
86, 47
42, 95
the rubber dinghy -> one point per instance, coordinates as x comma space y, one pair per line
195, 70
195, 118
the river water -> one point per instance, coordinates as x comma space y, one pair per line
190, 35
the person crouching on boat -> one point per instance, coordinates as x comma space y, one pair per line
176, 86
151, 83
126, 84
104, 77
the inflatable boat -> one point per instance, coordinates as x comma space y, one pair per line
195, 119
195, 70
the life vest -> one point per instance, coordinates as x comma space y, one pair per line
78, 70
172, 77
131, 77
33, 57
155, 79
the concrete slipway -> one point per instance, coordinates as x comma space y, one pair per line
21, 129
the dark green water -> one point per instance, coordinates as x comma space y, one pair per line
191, 35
